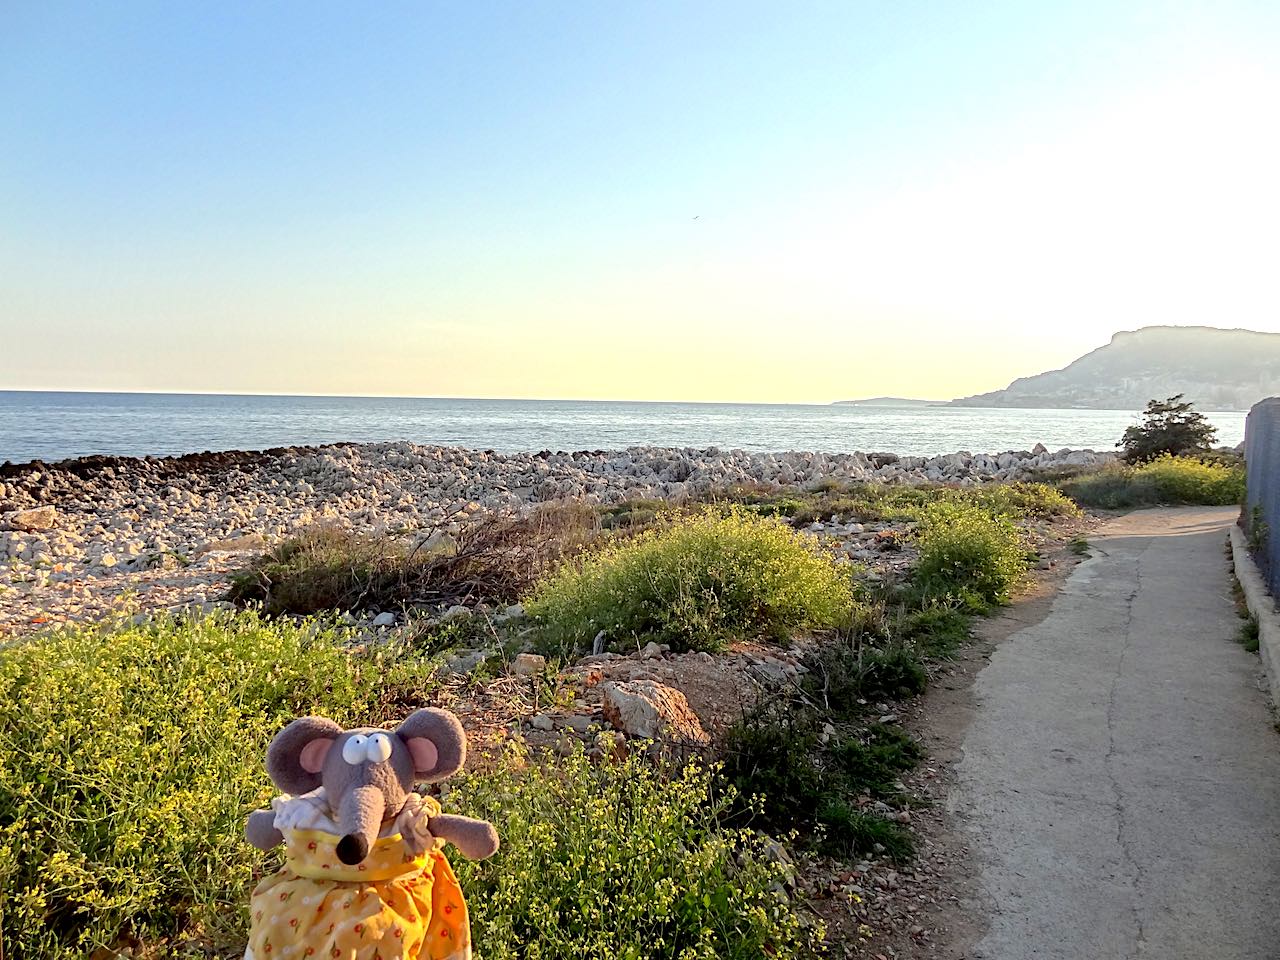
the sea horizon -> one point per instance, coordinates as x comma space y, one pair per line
53, 425
905, 401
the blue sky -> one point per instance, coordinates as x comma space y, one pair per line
735, 201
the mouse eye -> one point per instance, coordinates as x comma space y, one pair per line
378, 748
353, 750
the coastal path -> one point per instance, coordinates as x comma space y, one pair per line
1121, 777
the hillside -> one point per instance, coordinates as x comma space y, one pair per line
1217, 369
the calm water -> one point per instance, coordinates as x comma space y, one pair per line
54, 426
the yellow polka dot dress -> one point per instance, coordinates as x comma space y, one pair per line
393, 905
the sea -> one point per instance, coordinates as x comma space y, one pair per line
53, 426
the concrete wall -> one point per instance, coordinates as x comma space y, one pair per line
1262, 452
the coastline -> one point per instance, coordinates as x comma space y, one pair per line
83, 538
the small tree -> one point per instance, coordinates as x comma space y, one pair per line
1168, 427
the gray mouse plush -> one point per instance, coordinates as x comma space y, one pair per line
365, 790
364, 866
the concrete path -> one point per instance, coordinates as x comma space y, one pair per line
1121, 775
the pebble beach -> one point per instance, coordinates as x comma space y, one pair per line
83, 538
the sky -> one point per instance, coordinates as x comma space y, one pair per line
723, 201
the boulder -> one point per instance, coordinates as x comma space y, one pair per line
651, 711
36, 518
652, 650
528, 665
772, 673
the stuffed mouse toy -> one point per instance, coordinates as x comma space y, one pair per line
364, 874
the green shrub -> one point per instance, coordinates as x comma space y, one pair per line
620, 861
841, 674
1018, 501
695, 583
779, 756
1165, 480
774, 753
1180, 480
875, 759
129, 757
633, 513
968, 555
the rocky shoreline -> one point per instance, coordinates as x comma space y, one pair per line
78, 536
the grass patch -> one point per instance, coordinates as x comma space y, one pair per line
129, 757
875, 501
779, 758
694, 582
848, 831
1257, 530
934, 629
1249, 634
621, 861
328, 568
1166, 480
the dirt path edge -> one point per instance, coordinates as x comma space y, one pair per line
942, 720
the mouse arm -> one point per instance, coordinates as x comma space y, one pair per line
260, 830
476, 839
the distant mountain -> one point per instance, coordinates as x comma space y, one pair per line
889, 402
1215, 369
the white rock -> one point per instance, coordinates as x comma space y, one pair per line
37, 518
578, 723
652, 650
651, 711
385, 619
463, 663
528, 665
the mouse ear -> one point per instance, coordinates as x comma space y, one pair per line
436, 741
297, 753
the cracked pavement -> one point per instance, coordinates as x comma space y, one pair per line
1121, 778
